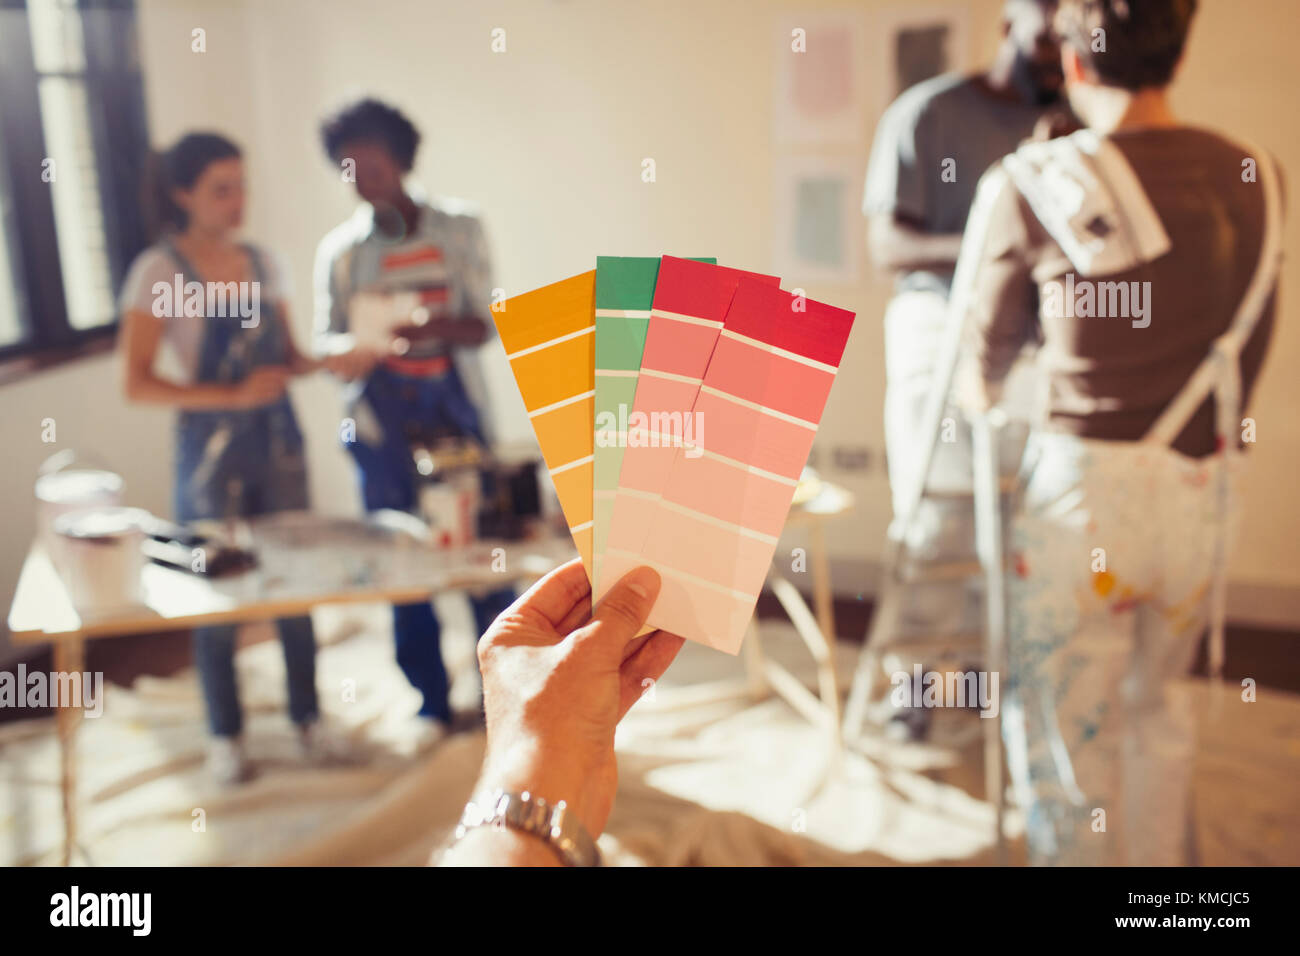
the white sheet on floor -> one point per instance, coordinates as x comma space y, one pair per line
730, 783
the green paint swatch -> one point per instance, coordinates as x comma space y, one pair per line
625, 291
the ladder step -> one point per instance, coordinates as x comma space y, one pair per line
956, 642
935, 572
1006, 485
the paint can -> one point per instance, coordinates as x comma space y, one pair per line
72, 489
451, 509
100, 557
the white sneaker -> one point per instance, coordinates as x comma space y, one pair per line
227, 762
318, 744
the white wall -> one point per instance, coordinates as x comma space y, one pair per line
549, 139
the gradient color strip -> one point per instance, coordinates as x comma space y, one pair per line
691, 301
713, 532
625, 291
549, 338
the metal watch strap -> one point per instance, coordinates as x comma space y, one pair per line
561, 830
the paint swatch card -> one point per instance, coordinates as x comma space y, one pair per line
691, 300
625, 288
549, 338
725, 501
625, 291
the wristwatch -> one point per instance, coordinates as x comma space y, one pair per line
554, 825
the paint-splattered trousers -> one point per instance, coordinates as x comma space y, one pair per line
1112, 553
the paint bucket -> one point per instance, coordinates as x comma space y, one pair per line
100, 557
71, 489
451, 509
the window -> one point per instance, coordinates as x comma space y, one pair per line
73, 148
12, 309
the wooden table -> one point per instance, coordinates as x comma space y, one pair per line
305, 560
830, 502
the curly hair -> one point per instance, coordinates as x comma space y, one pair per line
371, 121
1144, 39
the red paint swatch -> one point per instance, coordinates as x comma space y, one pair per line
714, 529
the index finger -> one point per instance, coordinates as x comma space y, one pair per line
556, 594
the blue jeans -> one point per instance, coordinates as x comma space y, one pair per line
398, 404
244, 463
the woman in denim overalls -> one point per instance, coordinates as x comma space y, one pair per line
239, 449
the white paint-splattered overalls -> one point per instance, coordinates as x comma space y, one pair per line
1100, 734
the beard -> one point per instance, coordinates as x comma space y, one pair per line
1039, 83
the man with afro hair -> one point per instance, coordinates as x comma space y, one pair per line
403, 290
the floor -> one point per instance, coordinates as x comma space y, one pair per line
732, 783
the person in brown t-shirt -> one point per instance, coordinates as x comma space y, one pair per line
1119, 543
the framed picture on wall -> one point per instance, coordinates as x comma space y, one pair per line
821, 78
912, 42
819, 228
836, 71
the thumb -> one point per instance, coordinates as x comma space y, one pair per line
621, 612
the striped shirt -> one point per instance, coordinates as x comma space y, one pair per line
444, 264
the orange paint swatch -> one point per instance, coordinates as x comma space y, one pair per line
549, 338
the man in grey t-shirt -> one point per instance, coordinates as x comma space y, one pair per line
937, 139
931, 147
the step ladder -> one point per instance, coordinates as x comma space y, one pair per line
992, 497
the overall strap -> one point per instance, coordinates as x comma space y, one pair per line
255, 259
187, 268
267, 342
214, 343
1220, 371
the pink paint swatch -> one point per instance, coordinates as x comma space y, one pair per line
710, 522
691, 302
